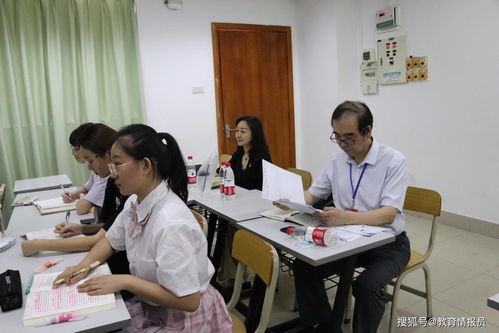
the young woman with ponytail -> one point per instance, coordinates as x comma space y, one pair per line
166, 247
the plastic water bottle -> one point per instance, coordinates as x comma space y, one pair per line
222, 179
191, 173
317, 235
229, 183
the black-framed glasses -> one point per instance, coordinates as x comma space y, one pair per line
346, 138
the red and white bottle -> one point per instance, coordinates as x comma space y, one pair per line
191, 173
221, 172
229, 183
317, 235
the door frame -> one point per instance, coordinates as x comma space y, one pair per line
215, 28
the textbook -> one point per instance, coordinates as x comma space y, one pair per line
297, 217
54, 205
43, 301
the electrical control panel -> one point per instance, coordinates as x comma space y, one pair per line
368, 75
417, 68
392, 54
388, 19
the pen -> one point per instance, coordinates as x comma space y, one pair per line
28, 288
61, 318
48, 264
83, 270
67, 216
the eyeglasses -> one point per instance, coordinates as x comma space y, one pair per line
113, 167
347, 139
241, 130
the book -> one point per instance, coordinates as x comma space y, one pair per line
46, 234
43, 301
54, 205
295, 216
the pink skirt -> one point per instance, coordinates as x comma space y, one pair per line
211, 316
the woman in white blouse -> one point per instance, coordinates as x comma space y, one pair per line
166, 248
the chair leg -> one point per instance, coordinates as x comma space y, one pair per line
395, 295
427, 277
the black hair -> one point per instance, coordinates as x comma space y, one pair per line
141, 141
98, 138
359, 109
75, 136
258, 142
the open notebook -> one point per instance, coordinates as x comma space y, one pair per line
292, 216
43, 301
54, 205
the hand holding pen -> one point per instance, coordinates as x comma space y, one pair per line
73, 274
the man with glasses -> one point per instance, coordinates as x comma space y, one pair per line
368, 185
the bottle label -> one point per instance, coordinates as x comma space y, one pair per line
191, 180
318, 236
222, 188
230, 190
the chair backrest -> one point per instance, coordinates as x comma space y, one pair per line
2, 193
306, 177
253, 252
425, 201
201, 220
225, 157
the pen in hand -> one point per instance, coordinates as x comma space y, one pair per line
68, 213
83, 270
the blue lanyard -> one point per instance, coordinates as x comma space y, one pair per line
354, 193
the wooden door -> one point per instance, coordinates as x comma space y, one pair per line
253, 76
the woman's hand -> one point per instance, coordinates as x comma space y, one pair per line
30, 247
105, 284
67, 273
68, 229
68, 197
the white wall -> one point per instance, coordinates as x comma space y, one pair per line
176, 54
445, 126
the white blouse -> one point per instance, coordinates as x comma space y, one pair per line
172, 248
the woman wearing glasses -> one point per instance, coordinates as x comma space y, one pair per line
94, 146
166, 247
92, 193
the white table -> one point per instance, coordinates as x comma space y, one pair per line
493, 301
25, 219
41, 183
269, 230
246, 206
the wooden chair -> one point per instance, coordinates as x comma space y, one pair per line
428, 202
225, 157
253, 252
202, 221
2, 194
306, 177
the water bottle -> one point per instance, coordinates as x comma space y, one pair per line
191, 173
317, 235
221, 171
229, 183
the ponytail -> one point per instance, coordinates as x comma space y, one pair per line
141, 141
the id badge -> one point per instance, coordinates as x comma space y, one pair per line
351, 209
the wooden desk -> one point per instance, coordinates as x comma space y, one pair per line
25, 219
41, 183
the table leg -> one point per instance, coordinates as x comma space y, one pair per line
342, 293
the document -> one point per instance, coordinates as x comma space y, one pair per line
280, 184
54, 205
43, 301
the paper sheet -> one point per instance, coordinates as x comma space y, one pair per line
281, 184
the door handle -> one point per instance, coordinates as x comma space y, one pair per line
227, 131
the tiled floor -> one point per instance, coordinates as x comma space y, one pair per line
464, 273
